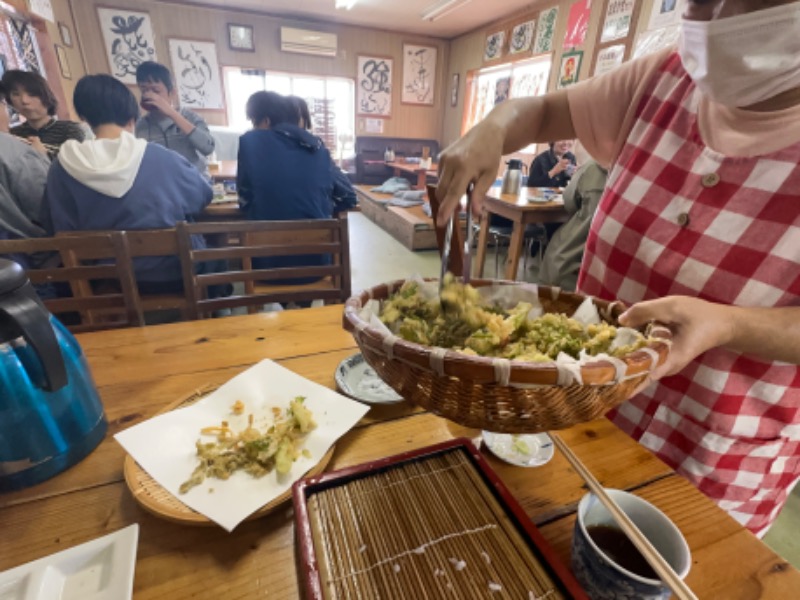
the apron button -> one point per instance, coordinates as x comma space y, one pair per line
683, 219
710, 180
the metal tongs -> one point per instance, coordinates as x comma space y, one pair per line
448, 239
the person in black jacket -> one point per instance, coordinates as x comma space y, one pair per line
554, 167
343, 194
284, 174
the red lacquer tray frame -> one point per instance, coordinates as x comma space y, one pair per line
305, 488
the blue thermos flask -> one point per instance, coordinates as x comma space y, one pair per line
51, 416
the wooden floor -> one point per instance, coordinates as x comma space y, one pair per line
377, 257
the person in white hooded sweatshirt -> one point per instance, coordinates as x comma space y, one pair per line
119, 182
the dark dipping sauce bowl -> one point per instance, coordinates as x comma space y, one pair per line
605, 561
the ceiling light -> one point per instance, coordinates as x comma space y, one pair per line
442, 8
346, 4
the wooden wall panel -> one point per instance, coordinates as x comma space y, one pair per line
177, 20
63, 14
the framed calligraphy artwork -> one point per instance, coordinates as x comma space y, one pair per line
494, 45
618, 20
545, 30
609, 59
129, 41
419, 74
197, 74
374, 86
522, 37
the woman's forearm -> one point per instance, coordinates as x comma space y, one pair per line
769, 333
524, 121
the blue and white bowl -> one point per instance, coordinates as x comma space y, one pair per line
599, 575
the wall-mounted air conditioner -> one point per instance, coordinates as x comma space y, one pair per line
303, 41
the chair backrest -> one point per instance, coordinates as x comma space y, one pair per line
255, 239
456, 263
95, 268
150, 243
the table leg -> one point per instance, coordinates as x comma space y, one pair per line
397, 172
514, 250
483, 238
422, 179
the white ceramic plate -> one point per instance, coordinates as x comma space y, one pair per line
98, 570
521, 450
355, 378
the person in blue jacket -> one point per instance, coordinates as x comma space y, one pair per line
119, 182
284, 174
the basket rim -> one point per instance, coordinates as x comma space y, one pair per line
505, 371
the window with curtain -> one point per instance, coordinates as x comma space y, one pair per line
331, 101
492, 85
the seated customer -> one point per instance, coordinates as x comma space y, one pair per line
562, 259
284, 173
119, 182
178, 129
31, 97
23, 173
553, 167
343, 194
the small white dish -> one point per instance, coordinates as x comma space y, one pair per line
521, 450
98, 570
355, 378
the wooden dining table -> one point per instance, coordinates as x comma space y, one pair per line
138, 371
414, 170
225, 170
222, 210
523, 209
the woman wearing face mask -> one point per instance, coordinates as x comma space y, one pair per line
699, 227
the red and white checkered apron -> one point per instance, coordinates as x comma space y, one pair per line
679, 218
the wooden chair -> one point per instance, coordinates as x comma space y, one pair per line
160, 242
456, 263
253, 239
96, 268
151, 243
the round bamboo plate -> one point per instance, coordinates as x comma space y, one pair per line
158, 501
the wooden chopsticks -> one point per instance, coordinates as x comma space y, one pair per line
653, 557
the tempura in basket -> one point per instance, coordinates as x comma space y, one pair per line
461, 320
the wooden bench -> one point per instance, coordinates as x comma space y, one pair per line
409, 226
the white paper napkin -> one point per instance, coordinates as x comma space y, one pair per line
164, 446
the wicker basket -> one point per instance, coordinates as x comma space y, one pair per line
497, 394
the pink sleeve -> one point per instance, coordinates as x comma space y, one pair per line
603, 108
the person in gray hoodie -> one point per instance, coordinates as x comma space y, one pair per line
23, 174
119, 182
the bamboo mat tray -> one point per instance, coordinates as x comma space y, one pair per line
158, 501
434, 523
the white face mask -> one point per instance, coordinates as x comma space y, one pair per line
743, 60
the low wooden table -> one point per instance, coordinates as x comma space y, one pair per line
521, 211
409, 226
414, 170
138, 371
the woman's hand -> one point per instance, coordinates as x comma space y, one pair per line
696, 326
473, 159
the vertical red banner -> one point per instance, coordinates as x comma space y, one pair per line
577, 24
